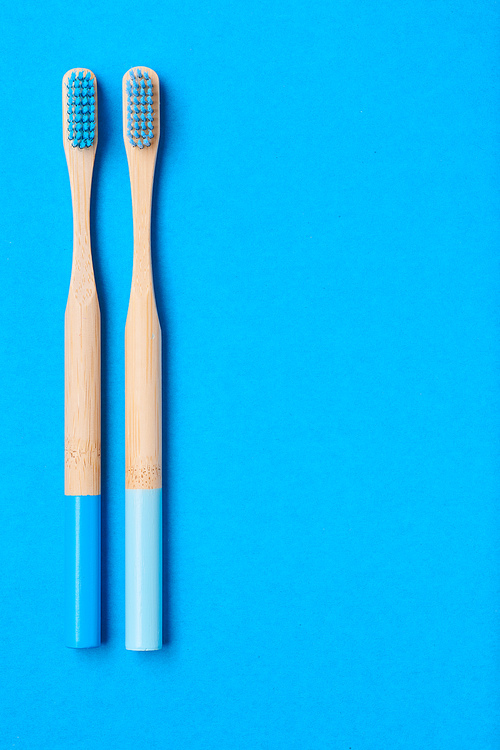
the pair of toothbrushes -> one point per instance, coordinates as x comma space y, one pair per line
143, 480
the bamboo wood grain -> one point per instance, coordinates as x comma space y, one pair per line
82, 359
143, 448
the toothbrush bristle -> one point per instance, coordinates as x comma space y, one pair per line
140, 108
81, 109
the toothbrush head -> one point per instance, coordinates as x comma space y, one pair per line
142, 101
80, 108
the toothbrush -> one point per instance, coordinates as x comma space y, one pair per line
82, 365
143, 480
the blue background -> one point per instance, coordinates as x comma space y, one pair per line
326, 249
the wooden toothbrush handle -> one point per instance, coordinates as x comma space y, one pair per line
82, 371
143, 414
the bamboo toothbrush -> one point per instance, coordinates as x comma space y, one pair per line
143, 481
82, 377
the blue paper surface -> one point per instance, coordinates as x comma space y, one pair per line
326, 242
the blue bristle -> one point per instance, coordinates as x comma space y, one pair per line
81, 109
140, 108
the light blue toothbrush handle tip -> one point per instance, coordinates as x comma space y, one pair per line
143, 570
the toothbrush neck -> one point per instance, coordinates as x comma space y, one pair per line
142, 276
82, 274
81, 226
